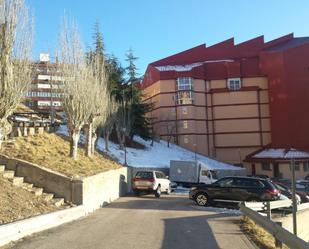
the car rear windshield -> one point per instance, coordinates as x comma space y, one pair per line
144, 175
269, 184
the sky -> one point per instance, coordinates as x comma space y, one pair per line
155, 29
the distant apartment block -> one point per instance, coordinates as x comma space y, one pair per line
46, 88
246, 104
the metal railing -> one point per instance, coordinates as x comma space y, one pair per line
280, 234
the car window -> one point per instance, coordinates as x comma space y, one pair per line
144, 175
247, 183
160, 175
227, 182
204, 173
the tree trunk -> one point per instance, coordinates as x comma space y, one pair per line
93, 142
88, 131
74, 143
120, 140
106, 139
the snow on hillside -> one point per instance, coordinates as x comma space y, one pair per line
158, 155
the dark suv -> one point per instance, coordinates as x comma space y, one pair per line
235, 189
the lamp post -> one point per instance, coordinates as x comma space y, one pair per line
125, 147
294, 203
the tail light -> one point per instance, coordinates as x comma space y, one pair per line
273, 191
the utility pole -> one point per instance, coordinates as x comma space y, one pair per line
294, 204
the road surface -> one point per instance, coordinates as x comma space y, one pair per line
171, 222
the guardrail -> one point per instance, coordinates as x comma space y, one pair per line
281, 234
303, 206
264, 206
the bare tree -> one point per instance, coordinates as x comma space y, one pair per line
169, 125
16, 30
79, 82
100, 99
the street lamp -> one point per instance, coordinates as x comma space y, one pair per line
125, 147
294, 203
194, 145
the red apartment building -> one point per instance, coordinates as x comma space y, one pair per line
245, 104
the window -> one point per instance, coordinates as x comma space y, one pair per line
247, 183
234, 84
186, 140
297, 166
266, 167
185, 124
184, 110
184, 98
144, 175
306, 166
226, 182
185, 94
184, 83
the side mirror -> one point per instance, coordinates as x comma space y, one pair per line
167, 177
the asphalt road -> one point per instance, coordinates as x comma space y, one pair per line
171, 222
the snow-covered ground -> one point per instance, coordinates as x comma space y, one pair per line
157, 156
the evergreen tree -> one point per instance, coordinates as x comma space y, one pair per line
140, 124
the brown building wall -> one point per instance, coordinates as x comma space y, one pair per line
284, 170
222, 123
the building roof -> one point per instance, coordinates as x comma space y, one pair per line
273, 154
297, 41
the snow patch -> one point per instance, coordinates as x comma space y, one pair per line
187, 67
156, 156
281, 153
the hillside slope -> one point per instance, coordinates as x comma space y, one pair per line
158, 155
51, 151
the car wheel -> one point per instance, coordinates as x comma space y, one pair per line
158, 192
169, 190
201, 199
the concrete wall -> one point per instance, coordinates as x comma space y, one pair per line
103, 188
233, 124
93, 191
51, 181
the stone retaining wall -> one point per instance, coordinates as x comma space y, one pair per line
93, 191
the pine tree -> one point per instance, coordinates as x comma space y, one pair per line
140, 124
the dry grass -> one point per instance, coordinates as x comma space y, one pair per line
51, 151
262, 238
17, 203
22, 108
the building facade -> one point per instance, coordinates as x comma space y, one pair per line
231, 101
46, 87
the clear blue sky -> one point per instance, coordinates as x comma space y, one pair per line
158, 28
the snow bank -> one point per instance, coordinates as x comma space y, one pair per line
156, 156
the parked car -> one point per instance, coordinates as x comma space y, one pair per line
151, 182
286, 191
302, 189
260, 176
235, 189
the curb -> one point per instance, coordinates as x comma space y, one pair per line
19, 229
